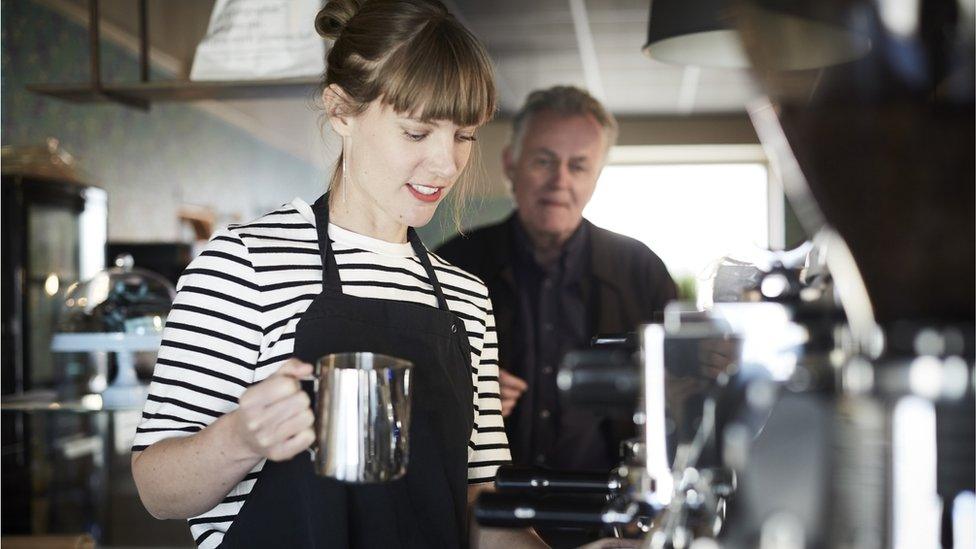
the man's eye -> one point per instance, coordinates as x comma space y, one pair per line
415, 136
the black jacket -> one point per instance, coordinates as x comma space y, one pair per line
626, 284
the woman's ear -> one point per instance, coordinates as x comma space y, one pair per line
338, 109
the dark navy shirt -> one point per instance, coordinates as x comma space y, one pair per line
552, 318
602, 283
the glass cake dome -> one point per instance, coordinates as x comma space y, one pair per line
117, 314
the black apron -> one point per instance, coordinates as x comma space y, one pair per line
291, 506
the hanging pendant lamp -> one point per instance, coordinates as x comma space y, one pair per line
705, 33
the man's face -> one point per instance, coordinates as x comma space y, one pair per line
555, 174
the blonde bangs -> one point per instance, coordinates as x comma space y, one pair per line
441, 73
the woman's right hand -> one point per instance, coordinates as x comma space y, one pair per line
274, 418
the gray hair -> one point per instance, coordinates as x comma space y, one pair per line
565, 101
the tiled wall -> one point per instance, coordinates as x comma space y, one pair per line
149, 162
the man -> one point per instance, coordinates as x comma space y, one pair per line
556, 280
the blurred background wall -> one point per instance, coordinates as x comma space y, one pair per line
151, 163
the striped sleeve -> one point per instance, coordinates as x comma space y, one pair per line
210, 344
489, 445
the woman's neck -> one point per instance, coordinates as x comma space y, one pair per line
359, 214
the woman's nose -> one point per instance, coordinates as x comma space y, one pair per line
444, 162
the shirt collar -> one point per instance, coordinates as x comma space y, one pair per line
572, 258
350, 239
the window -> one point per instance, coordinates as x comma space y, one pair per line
691, 205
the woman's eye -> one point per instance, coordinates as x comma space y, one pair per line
462, 137
415, 136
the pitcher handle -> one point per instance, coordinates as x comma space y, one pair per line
315, 379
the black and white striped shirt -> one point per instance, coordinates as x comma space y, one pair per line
233, 324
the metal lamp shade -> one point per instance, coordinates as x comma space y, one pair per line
694, 32
704, 33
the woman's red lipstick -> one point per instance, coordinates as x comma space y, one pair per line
434, 197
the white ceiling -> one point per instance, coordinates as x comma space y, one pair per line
594, 44
542, 43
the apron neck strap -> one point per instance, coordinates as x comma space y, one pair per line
330, 269
421, 251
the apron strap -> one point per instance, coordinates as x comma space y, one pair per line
330, 269
421, 251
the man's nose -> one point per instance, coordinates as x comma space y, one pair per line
561, 177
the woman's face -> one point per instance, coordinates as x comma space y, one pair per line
399, 168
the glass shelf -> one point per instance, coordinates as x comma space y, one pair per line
142, 94
47, 401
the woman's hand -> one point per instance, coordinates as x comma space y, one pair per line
182, 477
274, 419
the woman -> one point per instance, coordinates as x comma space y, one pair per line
226, 427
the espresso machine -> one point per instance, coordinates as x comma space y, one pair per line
830, 403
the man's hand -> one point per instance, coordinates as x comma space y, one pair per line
274, 419
512, 388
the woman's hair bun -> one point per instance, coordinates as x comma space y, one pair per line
332, 18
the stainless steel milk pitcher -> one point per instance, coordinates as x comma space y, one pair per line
362, 417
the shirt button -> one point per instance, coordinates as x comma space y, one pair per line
544, 414
453, 328
547, 326
547, 370
547, 283
540, 459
